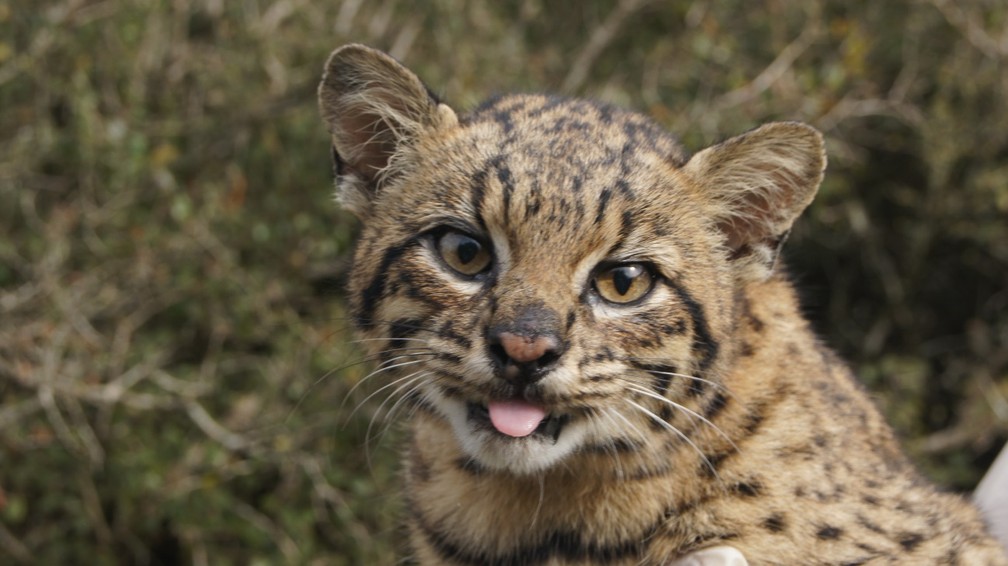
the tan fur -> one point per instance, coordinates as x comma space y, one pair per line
704, 414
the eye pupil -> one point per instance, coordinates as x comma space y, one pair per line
467, 250
623, 278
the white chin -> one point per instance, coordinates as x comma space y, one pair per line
499, 452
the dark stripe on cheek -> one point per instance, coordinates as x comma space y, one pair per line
364, 317
662, 375
403, 328
703, 343
571, 317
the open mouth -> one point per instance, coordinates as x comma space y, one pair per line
517, 419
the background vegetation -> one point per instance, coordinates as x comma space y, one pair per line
174, 364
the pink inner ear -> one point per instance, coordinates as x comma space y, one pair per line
764, 216
751, 224
371, 145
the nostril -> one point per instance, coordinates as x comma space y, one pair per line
547, 359
498, 355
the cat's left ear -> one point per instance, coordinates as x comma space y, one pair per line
376, 110
758, 183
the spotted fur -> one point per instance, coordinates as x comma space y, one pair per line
704, 413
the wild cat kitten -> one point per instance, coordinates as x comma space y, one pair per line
604, 362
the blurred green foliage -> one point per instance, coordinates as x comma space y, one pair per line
175, 368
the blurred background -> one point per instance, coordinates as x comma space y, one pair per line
175, 368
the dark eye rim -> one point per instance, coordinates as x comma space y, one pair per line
434, 237
607, 265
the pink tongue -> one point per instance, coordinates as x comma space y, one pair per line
515, 418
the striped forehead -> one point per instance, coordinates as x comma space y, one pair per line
561, 175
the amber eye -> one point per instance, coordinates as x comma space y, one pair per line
625, 283
464, 254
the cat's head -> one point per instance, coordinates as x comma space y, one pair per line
550, 275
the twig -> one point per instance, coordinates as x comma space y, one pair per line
972, 30
600, 38
774, 71
230, 440
287, 545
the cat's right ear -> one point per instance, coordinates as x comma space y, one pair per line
375, 110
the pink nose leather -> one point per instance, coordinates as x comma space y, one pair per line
524, 349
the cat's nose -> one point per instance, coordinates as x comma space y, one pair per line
525, 349
523, 358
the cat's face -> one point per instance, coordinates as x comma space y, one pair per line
549, 275
541, 282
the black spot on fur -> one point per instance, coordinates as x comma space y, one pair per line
716, 404
754, 419
749, 489
709, 466
774, 523
910, 541
828, 532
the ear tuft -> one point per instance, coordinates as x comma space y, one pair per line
758, 183
374, 108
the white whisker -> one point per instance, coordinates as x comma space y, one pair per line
392, 383
669, 427
389, 417
389, 339
539, 504
382, 369
648, 393
410, 383
611, 446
